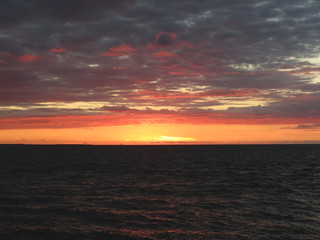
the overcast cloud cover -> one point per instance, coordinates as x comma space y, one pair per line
95, 62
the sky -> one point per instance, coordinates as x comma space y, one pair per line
152, 71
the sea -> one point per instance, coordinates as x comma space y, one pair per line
84, 192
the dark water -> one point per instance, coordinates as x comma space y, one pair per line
160, 192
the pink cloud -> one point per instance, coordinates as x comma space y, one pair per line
139, 81
121, 50
162, 54
185, 73
6, 54
122, 116
27, 58
117, 67
186, 44
58, 50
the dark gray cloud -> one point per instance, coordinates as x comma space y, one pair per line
118, 52
311, 127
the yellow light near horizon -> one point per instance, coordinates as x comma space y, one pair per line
177, 139
161, 134
161, 139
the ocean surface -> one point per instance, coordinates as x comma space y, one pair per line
159, 192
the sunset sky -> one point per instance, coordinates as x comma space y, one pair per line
155, 71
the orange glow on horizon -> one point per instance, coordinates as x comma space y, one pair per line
162, 134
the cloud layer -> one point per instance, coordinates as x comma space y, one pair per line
91, 63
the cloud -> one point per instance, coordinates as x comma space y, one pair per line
312, 127
205, 94
163, 54
232, 61
58, 50
27, 58
115, 108
122, 50
165, 38
302, 107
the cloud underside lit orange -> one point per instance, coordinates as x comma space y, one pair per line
120, 119
129, 128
